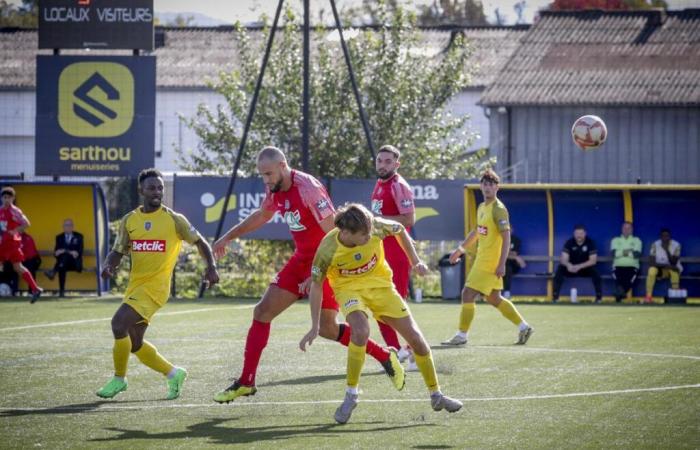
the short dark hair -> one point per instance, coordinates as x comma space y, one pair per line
7, 190
149, 173
579, 226
491, 176
354, 218
390, 149
665, 230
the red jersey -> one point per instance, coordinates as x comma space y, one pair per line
10, 219
392, 197
29, 246
303, 207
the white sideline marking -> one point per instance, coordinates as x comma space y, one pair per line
573, 350
316, 402
77, 322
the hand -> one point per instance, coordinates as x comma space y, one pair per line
521, 262
501, 270
211, 276
60, 251
421, 268
108, 272
305, 286
308, 338
575, 268
455, 255
74, 254
220, 247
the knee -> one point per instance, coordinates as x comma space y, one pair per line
652, 272
119, 328
360, 334
417, 342
136, 343
329, 329
262, 313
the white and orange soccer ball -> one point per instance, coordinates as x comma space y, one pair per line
589, 132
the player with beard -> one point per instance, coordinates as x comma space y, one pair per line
307, 209
392, 199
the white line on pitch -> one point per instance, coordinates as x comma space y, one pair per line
316, 402
77, 322
571, 350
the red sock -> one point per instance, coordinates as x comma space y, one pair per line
389, 335
255, 343
27, 276
374, 350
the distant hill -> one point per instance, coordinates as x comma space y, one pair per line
198, 19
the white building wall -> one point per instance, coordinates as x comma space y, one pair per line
464, 103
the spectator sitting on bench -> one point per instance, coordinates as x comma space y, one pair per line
69, 255
578, 259
664, 262
626, 250
513, 264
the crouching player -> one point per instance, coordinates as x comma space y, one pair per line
352, 257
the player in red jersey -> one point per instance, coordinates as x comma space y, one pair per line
307, 209
12, 223
392, 199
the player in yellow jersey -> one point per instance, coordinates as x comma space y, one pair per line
152, 234
351, 256
486, 275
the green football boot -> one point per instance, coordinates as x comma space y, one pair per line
112, 388
175, 383
233, 392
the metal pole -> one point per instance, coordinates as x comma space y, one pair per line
307, 93
346, 53
249, 120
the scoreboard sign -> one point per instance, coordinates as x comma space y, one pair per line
95, 115
108, 24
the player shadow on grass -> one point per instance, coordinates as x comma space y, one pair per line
214, 431
76, 408
317, 379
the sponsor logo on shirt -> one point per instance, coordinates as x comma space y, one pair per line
358, 256
377, 206
293, 220
147, 225
503, 222
396, 228
315, 271
482, 230
352, 302
148, 246
322, 204
406, 203
362, 269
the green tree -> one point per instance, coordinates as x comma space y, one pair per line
453, 12
22, 16
405, 93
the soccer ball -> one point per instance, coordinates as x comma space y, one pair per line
589, 132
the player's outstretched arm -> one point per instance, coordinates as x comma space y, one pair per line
315, 297
255, 220
406, 244
110, 264
211, 275
459, 251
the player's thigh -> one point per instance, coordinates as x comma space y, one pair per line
469, 294
273, 302
360, 326
125, 318
494, 298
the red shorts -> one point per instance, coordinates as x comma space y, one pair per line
11, 251
295, 272
399, 263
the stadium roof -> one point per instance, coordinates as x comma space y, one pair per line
188, 57
632, 58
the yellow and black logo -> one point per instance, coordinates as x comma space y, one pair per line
95, 99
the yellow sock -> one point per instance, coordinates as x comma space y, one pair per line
356, 359
150, 357
427, 370
509, 312
466, 316
120, 354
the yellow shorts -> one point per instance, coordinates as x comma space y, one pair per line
145, 306
483, 281
379, 301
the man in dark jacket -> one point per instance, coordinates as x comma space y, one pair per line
69, 255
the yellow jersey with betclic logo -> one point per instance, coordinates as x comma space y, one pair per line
359, 267
491, 219
153, 240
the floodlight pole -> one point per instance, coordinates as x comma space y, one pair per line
305, 108
244, 138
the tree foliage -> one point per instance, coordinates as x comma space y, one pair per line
22, 16
404, 92
453, 12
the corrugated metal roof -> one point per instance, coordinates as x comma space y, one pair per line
192, 56
604, 58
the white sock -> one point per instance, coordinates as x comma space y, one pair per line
172, 372
523, 326
352, 390
436, 394
120, 378
462, 334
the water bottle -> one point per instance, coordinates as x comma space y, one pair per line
574, 295
418, 294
